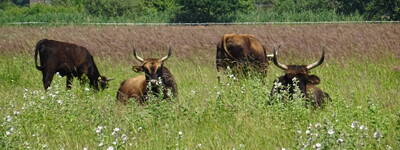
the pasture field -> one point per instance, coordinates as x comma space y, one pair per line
361, 73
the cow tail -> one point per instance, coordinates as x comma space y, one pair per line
37, 48
224, 38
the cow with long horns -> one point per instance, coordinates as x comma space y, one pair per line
157, 77
241, 52
305, 82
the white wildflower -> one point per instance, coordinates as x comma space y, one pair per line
308, 132
317, 146
354, 124
218, 94
317, 125
101, 144
42, 97
124, 137
377, 134
340, 140
308, 142
298, 131
331, 131
277, 85
180, 132
115, 131
363, 127
110, 148
16, 112
8, 132
98, 129
60, 102
199, 145
8, 118
85, 148
87, 89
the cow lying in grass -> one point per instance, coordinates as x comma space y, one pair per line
157, 79
305, 82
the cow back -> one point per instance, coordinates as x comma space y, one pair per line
132, 88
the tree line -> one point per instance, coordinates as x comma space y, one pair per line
200, 11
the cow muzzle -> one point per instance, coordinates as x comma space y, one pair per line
155, 82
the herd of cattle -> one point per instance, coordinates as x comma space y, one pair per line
233, 51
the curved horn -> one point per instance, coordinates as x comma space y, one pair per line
319, 62
136, 56
282, 66
224, 38
169, 53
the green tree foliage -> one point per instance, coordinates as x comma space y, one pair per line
162, 5
348, 7
199, 11
371, 9
5, 4
383, 10
211, 10
67, 2
302, 5
111, 8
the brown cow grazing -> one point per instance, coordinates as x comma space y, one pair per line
156, 77
305, 82
68, 60
241, 52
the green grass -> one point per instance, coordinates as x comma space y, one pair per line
206, 115
64, 15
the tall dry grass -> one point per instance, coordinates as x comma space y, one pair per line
342, 40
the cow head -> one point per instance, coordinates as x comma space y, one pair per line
104, 82
300, 72
153, 67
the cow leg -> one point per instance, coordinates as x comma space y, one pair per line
47, 78
69, 81
264, 68
93, 83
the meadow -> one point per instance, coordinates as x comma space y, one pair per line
361, 73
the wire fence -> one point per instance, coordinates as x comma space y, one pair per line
202, 24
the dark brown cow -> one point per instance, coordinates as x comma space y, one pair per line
243, 50
68, 60
306, 83
156, 76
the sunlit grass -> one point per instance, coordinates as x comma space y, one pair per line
206, 115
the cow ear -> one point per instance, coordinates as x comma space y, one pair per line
137, 68
313, 79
